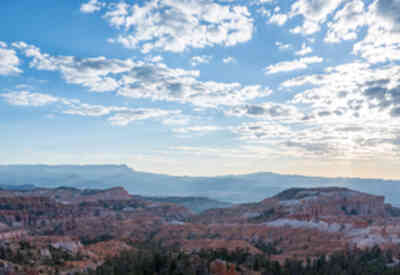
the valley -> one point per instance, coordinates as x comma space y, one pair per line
70, 230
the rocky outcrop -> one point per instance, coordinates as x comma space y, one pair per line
96, 224
333, 201
219, 267
69, 195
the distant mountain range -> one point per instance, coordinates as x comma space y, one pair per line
230, 188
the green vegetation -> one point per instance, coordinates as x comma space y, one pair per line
101, 238
264, 216
156, 261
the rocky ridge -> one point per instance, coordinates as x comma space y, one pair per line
72, 230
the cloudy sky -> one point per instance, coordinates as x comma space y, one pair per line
203, 87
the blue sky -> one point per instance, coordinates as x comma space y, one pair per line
203, 87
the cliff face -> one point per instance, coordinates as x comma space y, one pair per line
334, 201
67, 195
302, 222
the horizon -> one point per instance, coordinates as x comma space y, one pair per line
203, 87
196, 176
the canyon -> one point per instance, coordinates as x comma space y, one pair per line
69, 230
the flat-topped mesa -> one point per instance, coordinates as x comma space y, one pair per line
72, 195
331, 201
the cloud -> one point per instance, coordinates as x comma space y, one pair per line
203, 59
120, 116
9, 61
177, 25
304, 50
124, 118
298, 64
198, 129
93, 73
155, 59
25, 98
350, 112
389, 11
177, 120
229, 60
278, 19
281, 46
346, 22
266, 111
382, 42
92, 6
140, 79
158, 82
314, 12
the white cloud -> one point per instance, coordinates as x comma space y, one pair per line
281, 46
159, 82
263, 11
155, 59
24, 98
93, 73
262, 130
202, 59
346, 22
314, 12
350, 112
382, 42
198, 129
177, 120
278, 19
304, 50
229, 59
92, 6
298, 64
9, 61
124, 118
139, 79
180, 24
120, 116
266, 111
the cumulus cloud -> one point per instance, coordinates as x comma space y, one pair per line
24, 98
262, 130
304, 50
229, 59
298, 64
350, 112
159, 82
389, 11
9, 61
346, 22
202, 59
93, 73
177, 25
314, 12
278, 19
140, 79
92, 6
382, 42
266, 111
120, 116
282, 46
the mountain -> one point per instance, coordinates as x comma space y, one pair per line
231, 188
69, 195
18, 187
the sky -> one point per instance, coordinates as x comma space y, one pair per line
203, 87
